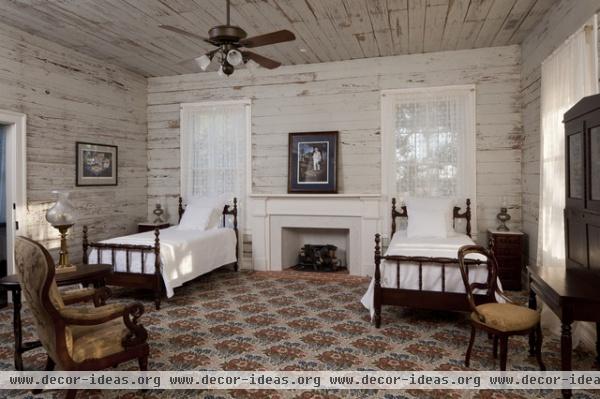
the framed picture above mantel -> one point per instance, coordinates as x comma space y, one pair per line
312, 158
96, 164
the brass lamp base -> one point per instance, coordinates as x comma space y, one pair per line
63, 260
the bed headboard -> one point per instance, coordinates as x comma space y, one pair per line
456, 214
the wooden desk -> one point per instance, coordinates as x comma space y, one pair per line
572, 293
85, 274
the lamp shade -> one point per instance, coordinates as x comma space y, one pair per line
234, 57
62, 212
203, 62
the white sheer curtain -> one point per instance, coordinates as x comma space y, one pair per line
568, 74
433, 141
213, 151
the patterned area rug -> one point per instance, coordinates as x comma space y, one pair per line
271, 321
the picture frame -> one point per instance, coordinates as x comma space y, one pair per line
312, 162
96, 164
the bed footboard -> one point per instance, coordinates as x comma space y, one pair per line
420, 298
129, 278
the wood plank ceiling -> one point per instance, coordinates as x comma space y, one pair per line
126, 32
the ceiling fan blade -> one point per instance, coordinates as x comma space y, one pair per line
260, 60
186, 33
268, 38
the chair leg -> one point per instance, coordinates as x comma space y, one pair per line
538, 346
143, 362
495, 347
49, 367
532, 343
503, 352
470, 348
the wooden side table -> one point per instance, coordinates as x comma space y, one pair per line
572, 294
508, 247
85, 274
143, 227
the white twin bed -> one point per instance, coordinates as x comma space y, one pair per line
184, 254
420, 267
163, 260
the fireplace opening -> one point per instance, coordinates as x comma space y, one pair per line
319, 258
315, 249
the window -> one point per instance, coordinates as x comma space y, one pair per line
428, 143
214, 139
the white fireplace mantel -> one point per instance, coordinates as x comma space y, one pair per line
271, 213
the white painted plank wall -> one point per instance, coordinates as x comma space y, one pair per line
561, 22
71, 97
345, 96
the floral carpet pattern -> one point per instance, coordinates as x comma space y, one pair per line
268, 321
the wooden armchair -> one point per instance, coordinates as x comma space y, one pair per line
500, 320
77, 338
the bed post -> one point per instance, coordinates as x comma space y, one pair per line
468, 216
377, 293
393, 216
180, 208
236, 266
85, 245
157, 275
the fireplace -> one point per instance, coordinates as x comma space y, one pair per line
282, 223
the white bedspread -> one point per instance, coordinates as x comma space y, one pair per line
184, 254
432, 273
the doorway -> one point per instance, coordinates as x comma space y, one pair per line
3, 231
12, 187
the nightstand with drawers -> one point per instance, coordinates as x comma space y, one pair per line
509, 249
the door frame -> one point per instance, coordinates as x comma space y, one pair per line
16, 179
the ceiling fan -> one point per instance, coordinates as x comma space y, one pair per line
229, 40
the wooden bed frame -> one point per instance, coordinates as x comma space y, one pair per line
419, 298
153, 281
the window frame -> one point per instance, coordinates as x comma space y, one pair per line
388, 99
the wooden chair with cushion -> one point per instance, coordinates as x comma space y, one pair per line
77, 338
500, 320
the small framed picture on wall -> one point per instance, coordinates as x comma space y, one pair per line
96, 164
312, 162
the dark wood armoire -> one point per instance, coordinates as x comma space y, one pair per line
582, 209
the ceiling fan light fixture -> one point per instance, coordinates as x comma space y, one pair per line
228, 40
203, 62
234, 57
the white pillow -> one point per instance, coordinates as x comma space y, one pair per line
198, 218
430, 204
427, 223
211, 201
203, 213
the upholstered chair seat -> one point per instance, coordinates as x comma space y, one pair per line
499, 320
97, 341
506, 316
77, 338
